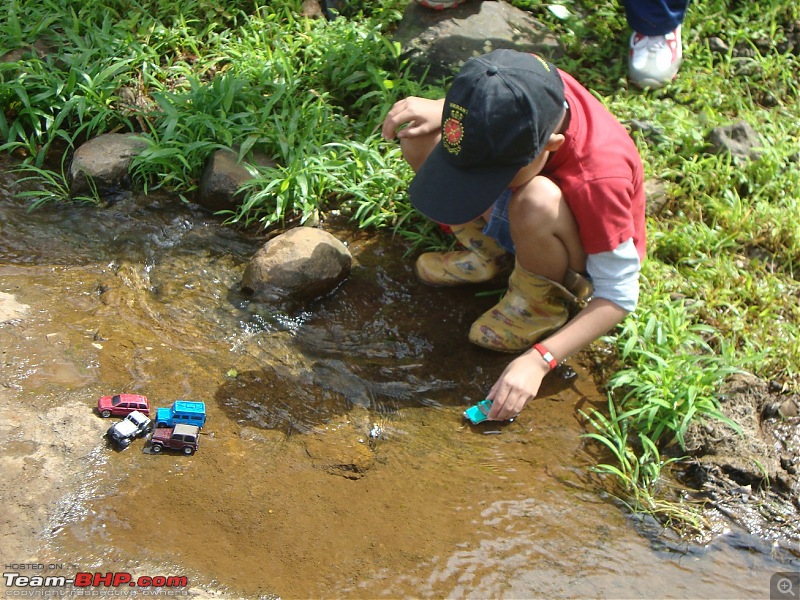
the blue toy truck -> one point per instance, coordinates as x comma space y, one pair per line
182, 412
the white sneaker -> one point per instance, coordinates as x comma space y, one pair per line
654, 60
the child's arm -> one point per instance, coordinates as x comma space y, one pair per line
615, 275
520, 381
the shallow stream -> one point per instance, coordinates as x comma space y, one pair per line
335, 461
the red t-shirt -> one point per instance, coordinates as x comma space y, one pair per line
600, 173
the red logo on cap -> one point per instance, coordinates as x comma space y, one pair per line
453, 132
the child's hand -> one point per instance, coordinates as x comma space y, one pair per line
518, 384
413, 117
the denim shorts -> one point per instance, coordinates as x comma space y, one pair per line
498, 227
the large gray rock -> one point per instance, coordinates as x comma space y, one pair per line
40, 48
102, 164
738, 139
223, 176
444, 39
303, 263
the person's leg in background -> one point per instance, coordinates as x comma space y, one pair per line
655, 45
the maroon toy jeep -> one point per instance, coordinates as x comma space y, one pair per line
181, 437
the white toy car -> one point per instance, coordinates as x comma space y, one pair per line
134, 425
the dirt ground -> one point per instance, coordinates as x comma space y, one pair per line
40, 460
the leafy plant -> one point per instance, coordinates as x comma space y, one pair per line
670, 381
50, 187
636, 471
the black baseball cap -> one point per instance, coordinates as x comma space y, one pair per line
498, 115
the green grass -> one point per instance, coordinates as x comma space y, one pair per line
719, 288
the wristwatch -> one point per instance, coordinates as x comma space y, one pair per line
548, 358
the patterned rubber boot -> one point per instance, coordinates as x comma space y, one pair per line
481, 260
580, 287
532, 308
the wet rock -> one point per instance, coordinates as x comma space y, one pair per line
738, 139
788, 409
766, 258
133, 102
10, 309
222, 177
339, 450
441, 40
303, 263
780, 409
311, 9
656, 194
102, 164
775, 386
37, 49
650, 131
718, 45
330, 9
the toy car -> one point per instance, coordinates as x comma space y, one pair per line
185, 438
120, 405
134, 425
182, 412
478, 413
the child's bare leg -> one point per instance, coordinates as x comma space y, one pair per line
546, 241
544, 230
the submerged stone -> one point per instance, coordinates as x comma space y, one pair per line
301, 264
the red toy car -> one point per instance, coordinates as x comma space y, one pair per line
120, 405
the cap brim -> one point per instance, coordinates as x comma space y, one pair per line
452, 195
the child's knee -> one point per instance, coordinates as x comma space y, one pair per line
538, 201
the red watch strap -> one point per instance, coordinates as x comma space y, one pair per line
548, 358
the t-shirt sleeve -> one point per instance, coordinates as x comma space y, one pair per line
615, 275
604, 213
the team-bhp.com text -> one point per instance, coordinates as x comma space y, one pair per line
93, 582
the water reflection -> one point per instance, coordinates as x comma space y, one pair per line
297, 403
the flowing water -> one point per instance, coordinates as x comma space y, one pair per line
335, 461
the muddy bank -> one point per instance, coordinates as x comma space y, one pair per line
751, 477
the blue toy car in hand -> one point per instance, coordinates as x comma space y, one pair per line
478, 413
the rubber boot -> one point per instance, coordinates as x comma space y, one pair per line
580, 288
532, 308
480, 261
